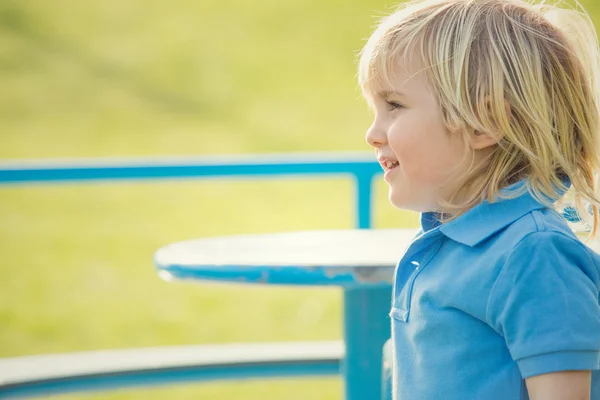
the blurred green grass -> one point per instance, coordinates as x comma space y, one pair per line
112, 78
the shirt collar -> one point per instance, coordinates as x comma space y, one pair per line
485, 219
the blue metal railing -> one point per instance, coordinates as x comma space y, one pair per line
45, 375
361, 167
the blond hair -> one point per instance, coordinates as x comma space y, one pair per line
528, 75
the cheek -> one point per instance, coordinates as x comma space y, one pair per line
411, 154
417, 152
425, 154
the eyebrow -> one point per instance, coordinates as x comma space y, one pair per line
386, 93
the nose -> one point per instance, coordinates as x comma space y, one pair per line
376, 136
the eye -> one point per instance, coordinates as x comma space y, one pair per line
393, 105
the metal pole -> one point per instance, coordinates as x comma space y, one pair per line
366, 329
364, 198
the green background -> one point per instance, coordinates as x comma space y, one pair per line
156, 78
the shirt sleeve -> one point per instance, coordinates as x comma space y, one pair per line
545, 304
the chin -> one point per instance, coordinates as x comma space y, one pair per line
403, 202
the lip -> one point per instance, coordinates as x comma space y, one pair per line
388, 173
384, 160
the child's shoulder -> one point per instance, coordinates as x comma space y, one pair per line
544, 234
544, 298
541, 223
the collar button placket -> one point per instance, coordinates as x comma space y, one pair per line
412, 259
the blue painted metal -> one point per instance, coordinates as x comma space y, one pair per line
386, 372
362, 166
366, 329
366, 326
364, 198
285, 275
166, 376
206, 167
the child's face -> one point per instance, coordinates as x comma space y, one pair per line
408, 131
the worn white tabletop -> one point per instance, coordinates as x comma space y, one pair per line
325, 257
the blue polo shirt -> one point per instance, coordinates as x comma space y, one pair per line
502, 293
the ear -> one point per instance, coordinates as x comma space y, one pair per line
481, 140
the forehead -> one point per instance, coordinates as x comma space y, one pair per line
401, 74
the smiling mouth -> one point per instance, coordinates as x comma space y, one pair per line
389, 165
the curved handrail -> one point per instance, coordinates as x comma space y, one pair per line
361, 166
27, 376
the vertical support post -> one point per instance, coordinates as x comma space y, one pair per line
364, 199
386, 372
366, 329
